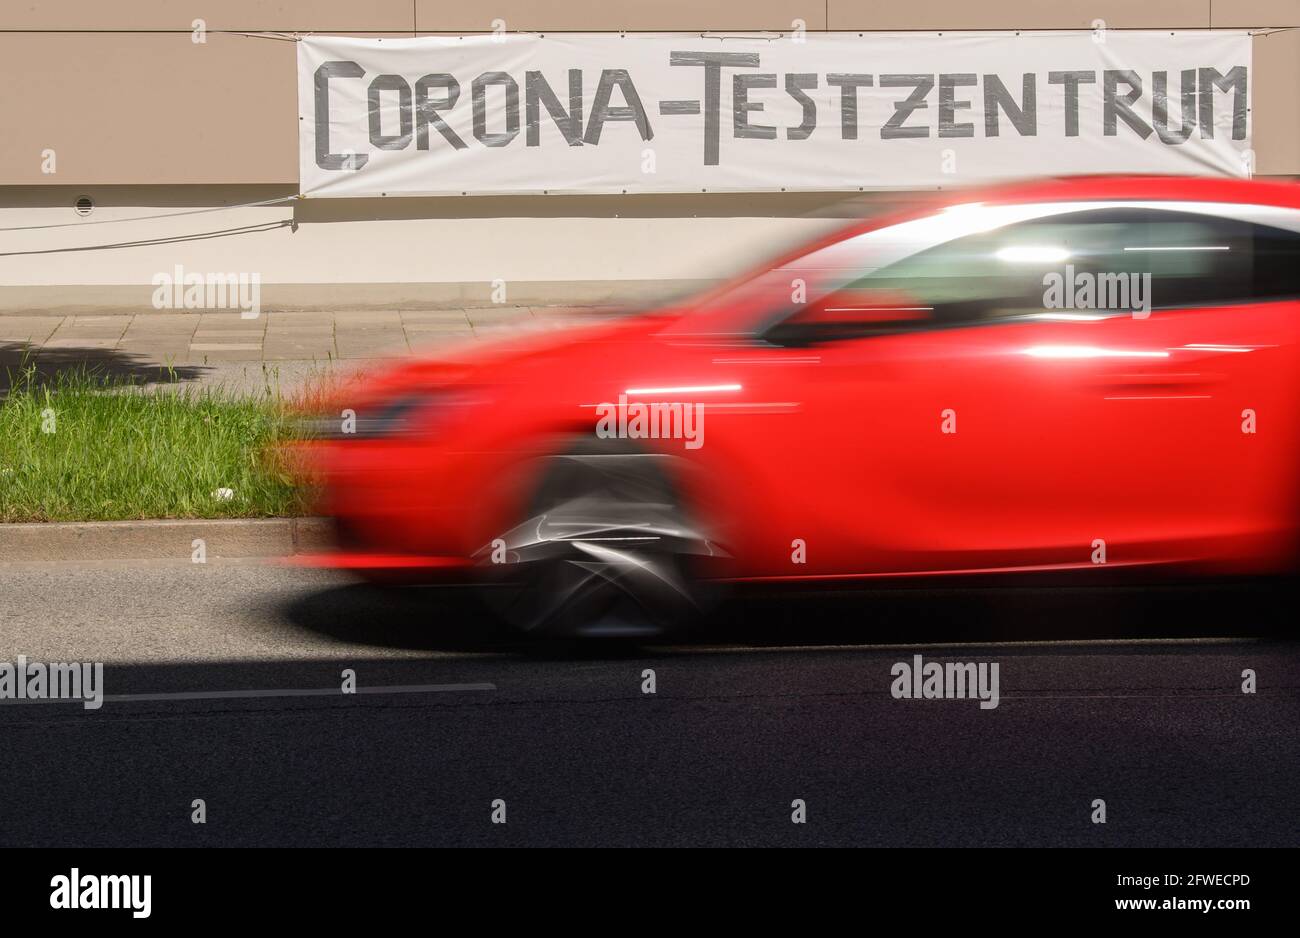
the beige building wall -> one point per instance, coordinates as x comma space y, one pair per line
129, 110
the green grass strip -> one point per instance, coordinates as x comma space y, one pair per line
81, 447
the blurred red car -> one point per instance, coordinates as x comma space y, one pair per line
1092, 374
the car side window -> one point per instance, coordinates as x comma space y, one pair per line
1108, 261
1198, 260
1275, 273
1103, 261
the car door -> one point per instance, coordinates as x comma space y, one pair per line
1224, 289
1013, 429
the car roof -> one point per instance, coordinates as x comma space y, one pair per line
1087, 188
1187, 188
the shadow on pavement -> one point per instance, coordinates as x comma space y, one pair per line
109, 365
418, 618
456, 620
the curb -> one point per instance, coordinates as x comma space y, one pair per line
164, 540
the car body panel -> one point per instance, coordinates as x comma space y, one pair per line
1070, 432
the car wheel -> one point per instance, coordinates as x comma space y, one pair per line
606, 550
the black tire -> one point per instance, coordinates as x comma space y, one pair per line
606, 550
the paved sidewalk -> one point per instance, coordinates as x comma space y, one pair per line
205, 338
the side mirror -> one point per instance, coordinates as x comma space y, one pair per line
846, 314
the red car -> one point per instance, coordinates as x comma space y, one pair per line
1089, 374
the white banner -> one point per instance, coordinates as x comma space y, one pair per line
840, 111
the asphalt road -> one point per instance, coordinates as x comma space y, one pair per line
1130, 696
